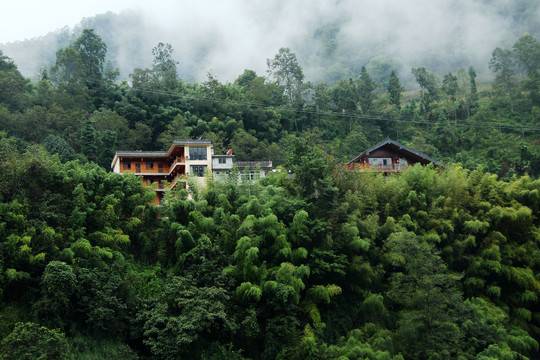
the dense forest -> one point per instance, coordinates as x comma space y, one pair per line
432, 263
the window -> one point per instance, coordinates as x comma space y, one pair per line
149, 165
380, 163
160, 168
127, 165
197, 153
222, 160
251, 175
198, 170
138, 168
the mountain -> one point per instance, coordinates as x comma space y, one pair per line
332, 40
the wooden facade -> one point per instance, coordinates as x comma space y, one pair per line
163, 171
389, 156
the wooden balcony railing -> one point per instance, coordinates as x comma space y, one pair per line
380, 167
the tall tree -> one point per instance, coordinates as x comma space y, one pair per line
527, 55
502, 64
394, 89
89, 146
450, 87
68, 67
286, 71
429, 91
92, 51
366, 88
473, 100
12, 84
164, 65
526, 52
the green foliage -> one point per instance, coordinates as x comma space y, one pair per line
91, 348
89, 141
58, 285
92, 51
31, 341
12, 90
57, 145
394, 89
184, 319
319, 262
286, 71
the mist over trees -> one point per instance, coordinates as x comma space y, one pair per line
331, 40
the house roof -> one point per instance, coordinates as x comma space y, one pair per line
394, 145
155, 154
264, 165
192, 142
142, 153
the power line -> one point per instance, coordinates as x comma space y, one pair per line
342, 114
470, 124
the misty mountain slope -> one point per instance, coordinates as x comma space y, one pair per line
332, 40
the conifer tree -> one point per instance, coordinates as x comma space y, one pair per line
89, 146
394, 89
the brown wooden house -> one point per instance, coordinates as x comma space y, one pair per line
165, 170
389, 156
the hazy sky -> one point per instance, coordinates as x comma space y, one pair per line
25, 19
228, 36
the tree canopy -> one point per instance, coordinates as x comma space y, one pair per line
313, 262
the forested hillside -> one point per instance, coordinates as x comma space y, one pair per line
433, 263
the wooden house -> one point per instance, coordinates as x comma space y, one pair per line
389, 156
165, 170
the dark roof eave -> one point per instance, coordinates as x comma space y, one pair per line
192, 142
141, 153
400, 146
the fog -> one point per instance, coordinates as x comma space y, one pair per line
332, 39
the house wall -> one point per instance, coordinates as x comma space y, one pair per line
178, 163
207, 162
217, 166
116, 168
142, 162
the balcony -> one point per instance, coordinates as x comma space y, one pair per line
177, 161
380, 167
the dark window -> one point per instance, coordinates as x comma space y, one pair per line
160, 168
149, 165
222, 160
197, 153
127, 165
198, 170
138, 168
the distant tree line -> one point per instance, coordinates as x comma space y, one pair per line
79, 110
